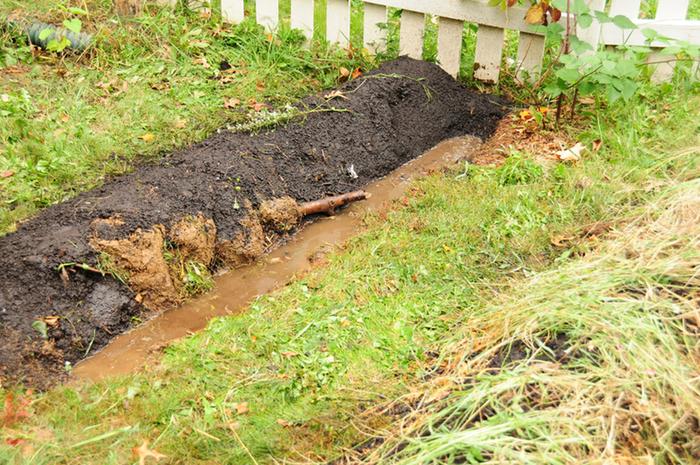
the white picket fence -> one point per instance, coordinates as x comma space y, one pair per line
492, 23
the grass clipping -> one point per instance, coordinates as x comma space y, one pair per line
597, 361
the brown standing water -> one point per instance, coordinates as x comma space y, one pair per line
235, 290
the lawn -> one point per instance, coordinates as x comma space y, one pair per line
403, 324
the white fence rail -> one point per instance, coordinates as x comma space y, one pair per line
492, 23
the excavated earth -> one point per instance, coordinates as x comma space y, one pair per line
85, 270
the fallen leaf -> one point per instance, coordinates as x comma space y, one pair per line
180, 124
535, 14
148, 138
231, 103
525, 115
356, 73
284, 423
259, 106
7, 174
512, 2
203, 62
597, 144
14, 410
51, 320
572, 154
335, 94
260, 86
289, 354
241, 408
144, 452
561, 241
14, 442
344, 74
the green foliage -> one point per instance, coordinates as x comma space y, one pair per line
519, 169
197, 279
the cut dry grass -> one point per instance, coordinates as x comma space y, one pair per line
595, 361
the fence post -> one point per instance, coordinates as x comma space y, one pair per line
232, 11
666, 10
450, 44
338, 22
267, 13
303, 16
411, 34
374, 27
591, 34
489, 48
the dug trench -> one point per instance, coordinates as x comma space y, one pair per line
84, 271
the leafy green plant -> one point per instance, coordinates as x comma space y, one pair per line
518, 169
577, 69
197, 278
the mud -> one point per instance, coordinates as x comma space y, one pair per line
63, 264
139, 347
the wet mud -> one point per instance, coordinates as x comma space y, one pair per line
86, 270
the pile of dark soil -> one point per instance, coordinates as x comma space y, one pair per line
83, 271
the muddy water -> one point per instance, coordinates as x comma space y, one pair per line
235, 290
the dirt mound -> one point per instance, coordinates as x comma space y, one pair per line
208, 204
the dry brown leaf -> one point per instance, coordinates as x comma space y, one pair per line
260, 86
284, 423
7, 174
241, 408
597, 144
356, 73
535, 14
143, 452
202, 61
51, 320
335, 94
231, 103
259, 106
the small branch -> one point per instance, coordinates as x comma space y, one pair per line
329, 204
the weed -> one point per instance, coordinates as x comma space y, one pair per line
519, 169
197, 279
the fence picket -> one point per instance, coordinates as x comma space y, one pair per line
267, 13
666, 10
489, 48
629, 8
374, 35
672, 9
232, 11
338, 22
411, 34
303, 16
450, 44
530, 53
670, 22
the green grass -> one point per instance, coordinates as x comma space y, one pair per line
308, 358
628, 387
151, 84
